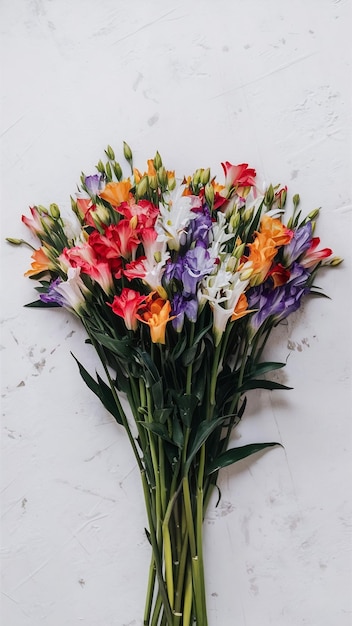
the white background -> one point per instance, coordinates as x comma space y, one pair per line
266, 83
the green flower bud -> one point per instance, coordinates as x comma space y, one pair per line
172, 183
127, 152
142, 186
162, 177
108, 172
239, 250
42, 210
205, 176
313, 214
100, 167
157, 162
335, 261
209, 194
296, 200
15, 242
196, 177
248, 215
153, 182
117, 170
110, 153
269, 196
54, 211
234, 222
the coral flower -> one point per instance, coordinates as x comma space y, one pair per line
274, 229
156, 314
41, 263
239, 176
126, 305
115, 193
313, 256
262, 252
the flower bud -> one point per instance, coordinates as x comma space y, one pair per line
248, 215
205, 176
162, 177
110, 153
54, 211
335, 261
209, 194
100, 167
15, 242
142, 187
313, 214
117, 170
127, 152
238, 251
157, 162
108, 172
153, 182
172, 183
296, 200
269, 196
234, 222
196, 177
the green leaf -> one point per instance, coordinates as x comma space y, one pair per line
263, 368
262, 384
186, 404
39, 304
150, 370
121, 347
158, 429
101, 390
237, 454
204, 430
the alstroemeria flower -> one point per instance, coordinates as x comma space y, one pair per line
223, 292
313, 256
126, 305
41, 263
156, 313
93, 184
183, 306
119, 240
36, 223
241, 177
277, 302
274, 229
85, 258
261, 254
175, 216
71, 294
145, 211
300, 242
115, 193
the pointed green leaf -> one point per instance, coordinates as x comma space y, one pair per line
158, 429
262, 384
204, 430
237, 454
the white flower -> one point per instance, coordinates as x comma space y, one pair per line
174, 217
73, 290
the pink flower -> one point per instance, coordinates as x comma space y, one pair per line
35, 224
145, 211
119, 240
313, 256
135, 269
239, 176
127, 305
85, 258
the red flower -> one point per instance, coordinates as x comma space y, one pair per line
279, 274
313, 256
126, 305
239, 176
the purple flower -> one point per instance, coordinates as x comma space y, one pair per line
299, 243
199, 229
52, 296
183, 306
280, 302
92, 184
196, 264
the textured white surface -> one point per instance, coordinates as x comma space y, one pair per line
267, 83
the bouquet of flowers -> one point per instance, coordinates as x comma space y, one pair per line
178, 286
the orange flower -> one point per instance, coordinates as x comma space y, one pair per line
241, 308
115, 193
156, 314
274, 229
262, 252
40, 263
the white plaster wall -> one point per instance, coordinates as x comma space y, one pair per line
263, 82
